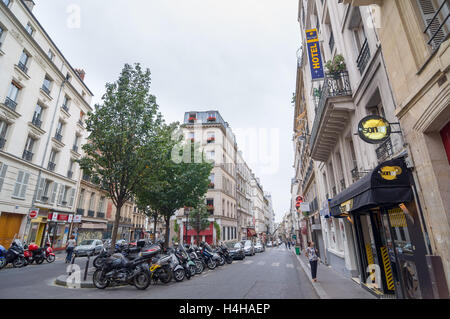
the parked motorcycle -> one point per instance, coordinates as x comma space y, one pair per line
49, 255
211, 258
199, 264
160, 269
33, 253
15, 255
2, 257
117, 269
186, 261
177, 268
225, 253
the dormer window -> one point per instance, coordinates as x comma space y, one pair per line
50, 54
29, 29
192, 117
211, 117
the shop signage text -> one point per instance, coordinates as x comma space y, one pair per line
315, 57
58, 217
374, 129
390, 172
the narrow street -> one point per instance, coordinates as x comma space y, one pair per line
273, 274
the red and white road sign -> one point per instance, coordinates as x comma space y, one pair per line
33, 213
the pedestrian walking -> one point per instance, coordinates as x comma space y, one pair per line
285, 243
289, 244
70, 246
311, 253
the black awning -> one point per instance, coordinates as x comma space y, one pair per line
387, 185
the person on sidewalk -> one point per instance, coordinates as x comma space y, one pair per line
311, 254
289, 244
70, 246
285, 243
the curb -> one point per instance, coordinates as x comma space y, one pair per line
317, 287
62, 281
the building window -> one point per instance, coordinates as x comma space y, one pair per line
75, 143
23, 61
59, 129
37, 116
435, 15
65, 104
11, 98
28, 151
3, 131
20, 187
29, 29
92, 201
50, 54
1, 35
52, 160
211, 137
46, 86
81, 199
6, 2
3, 169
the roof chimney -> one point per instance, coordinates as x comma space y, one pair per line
80, 73
30, 4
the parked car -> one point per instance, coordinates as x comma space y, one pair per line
259, 247
249, 248
236, 250
88, 246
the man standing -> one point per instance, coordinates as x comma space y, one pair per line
289, 244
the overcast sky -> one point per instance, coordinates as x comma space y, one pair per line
234, 56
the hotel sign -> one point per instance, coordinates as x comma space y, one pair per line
315, 58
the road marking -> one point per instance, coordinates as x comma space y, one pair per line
262, 263
275, 264
289, 265
248, 262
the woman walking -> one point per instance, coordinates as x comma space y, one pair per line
71, 243
311, 253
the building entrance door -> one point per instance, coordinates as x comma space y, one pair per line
9, 228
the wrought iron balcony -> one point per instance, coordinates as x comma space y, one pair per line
69, 174
27, 155
100, 215
51, 166
363, 57
437, 26
10, 103
65, 108
2, 143
80, 211
91, 213
384, 151
36, 122
44, 199
22, 67
58, 136
46, 89
80, 122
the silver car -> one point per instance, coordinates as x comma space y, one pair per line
259, 247
88, 247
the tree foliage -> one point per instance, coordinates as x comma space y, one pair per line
198, 219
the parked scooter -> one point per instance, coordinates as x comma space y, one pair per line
199, 263
49, 255
15, 255
178, 270
186, 261
212, 258
33, 253
2, 256
223, 250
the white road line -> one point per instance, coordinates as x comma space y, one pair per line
262, 263
248, 262
289, 265
275, 264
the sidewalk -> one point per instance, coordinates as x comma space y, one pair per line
331, 284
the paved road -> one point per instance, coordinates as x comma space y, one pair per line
274, 273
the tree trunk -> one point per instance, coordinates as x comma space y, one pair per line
155, 219
115, 229
167, 244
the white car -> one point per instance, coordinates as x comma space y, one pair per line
88, 247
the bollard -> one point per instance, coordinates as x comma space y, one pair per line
87, 266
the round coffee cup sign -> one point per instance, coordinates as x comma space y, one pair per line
374, 129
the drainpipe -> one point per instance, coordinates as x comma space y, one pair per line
28, 226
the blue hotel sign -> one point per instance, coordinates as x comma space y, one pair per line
315, 58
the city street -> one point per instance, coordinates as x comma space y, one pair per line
274, 274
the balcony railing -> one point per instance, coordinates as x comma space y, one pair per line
2, 143
100, 215
65, 108
363, 57
10, 103
46, 89
211, 185
436, 26
27, 155
75, 148
80, 211
58, 136
86, 178
334, 85
51, 166
69, 174
80, 122
384, 151
36, 122
22, 67
91, 213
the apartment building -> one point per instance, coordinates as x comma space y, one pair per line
243, 198
258, 202
219, 144
418, 72
43, 104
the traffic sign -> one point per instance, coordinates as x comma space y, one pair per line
33, 213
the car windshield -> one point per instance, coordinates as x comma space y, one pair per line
237, 245
247, 243
230, 245
87, 242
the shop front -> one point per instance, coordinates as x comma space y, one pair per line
57, 229
205, 235
390, 244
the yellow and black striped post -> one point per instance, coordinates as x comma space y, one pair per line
387, 268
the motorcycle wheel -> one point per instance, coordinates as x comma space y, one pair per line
51, 258
221, 261
193, 270
2, 263
179, 275
199, 267
99, 282
211, 264
229, 260
39, 260
165, 276
19, 262
142, 280
98, 262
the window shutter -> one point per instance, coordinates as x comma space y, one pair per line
18, 184
40, 189
24, 185
3, 168
428, 11
55, 188
60, 194
72, 196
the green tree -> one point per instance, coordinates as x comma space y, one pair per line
198, 219
217, 227
177, 175
122, 125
